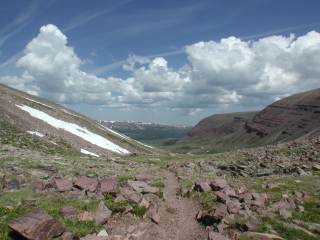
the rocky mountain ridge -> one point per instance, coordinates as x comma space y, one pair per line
291, 118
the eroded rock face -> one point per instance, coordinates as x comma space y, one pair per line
37, 225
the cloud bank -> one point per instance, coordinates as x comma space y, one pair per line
216, 73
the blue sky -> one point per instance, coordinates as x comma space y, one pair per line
103, 34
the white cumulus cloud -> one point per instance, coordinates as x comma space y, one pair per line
216, 73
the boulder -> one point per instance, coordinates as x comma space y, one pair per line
142, 187
233, 206
86, 183
131, 196
222, 197
314, 227
316, 167
103, 233
109, 185
285, 213
154, 215
218, 184
67, 236
202, 186
259, 199
63, 185
102, 214
37, 225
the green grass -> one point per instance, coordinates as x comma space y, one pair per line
207, 200
139, 211
283, 230
115, 206
17, 138
311, 212
15, 204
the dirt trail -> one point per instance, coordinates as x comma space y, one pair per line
177, 216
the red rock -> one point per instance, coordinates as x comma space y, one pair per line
109, 185
38, 185
230, 192
216, 236
68, 212
259, 199
221, 197
154, 215
67, 236
218, 184
220, 212
85, 183
37, 225
102, 214
85, 216
131, 196
142, 187
202, 186
234, 206
94, 237
63, 185
280, 205
144, 177
285, 213
144, 203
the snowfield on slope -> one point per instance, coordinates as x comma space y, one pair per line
123, 136
75, 129
88, 153
35, 133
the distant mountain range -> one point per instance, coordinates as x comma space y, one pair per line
150, 133
297, 116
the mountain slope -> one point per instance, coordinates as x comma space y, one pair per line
216, 132
150, 133
28, 117
287, 119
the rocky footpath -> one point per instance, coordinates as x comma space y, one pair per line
117, 200
239, 212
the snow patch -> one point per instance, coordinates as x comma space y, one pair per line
88, 153
35, 133
53, 142
75, 129
123, 136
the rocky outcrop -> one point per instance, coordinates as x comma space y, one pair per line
287, 119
